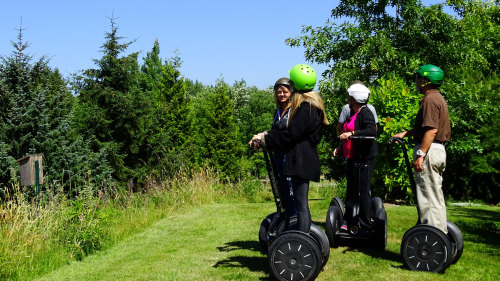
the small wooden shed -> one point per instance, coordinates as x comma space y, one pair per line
30, 166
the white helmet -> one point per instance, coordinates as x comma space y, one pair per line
359, 92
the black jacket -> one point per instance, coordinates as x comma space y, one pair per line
299, 142
364, 125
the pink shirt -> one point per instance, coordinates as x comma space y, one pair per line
347, 144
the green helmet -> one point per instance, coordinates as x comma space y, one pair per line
303, 77
431, 72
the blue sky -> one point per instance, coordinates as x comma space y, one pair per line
227, 39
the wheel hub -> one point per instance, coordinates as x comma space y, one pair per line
425, 251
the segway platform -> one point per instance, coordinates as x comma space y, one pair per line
376, 237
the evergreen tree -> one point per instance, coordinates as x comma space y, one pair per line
24, 91
113, 111
167, 90
35, 112
221, 148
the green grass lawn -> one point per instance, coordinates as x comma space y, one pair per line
219, 242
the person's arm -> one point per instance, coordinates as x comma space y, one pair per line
427, 140
407, 133
343, 117
340, 128
367, 126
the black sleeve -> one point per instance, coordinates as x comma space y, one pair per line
305, 120
367, 126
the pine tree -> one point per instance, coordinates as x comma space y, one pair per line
113, 112
35, 110
222, 150
167, 90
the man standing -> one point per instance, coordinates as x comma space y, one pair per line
431, 132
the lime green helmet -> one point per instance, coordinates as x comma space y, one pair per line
431, 72
303, 77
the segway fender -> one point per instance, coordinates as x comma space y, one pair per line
457, 241
332, 225
322, 240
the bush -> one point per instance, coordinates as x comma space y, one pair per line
84, 225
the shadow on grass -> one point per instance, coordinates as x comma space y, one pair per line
240, 245
379, 254
253, 263
478, 226
366, 247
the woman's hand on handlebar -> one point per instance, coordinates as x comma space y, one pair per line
345, 136
256, 140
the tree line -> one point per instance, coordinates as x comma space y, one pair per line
126, 123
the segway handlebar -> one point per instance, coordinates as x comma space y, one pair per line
271, 168
407, 159
408, 167
361, 137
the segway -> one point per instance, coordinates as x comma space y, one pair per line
336, 217
424, 247
292, 254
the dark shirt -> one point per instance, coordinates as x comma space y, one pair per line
299, 142
433, 113
365, 126
280, 123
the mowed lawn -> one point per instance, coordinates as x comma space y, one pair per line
219, 242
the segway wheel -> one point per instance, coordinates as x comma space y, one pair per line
457, 242
315, 232
380, 229
264, 232
426, 248
294, 255
322, 241
332, 225
337, 202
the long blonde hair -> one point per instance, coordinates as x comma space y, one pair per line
314, 100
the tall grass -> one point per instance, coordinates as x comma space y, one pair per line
37, 236
28, 232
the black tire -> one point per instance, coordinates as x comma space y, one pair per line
332, 225
316, 232
264, 231
380, 229
322, 240
457, 242
425, 248
294, 255
337, 202
376, 204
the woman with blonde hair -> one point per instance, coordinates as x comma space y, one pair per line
300, 139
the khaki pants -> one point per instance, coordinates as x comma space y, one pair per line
429, 192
